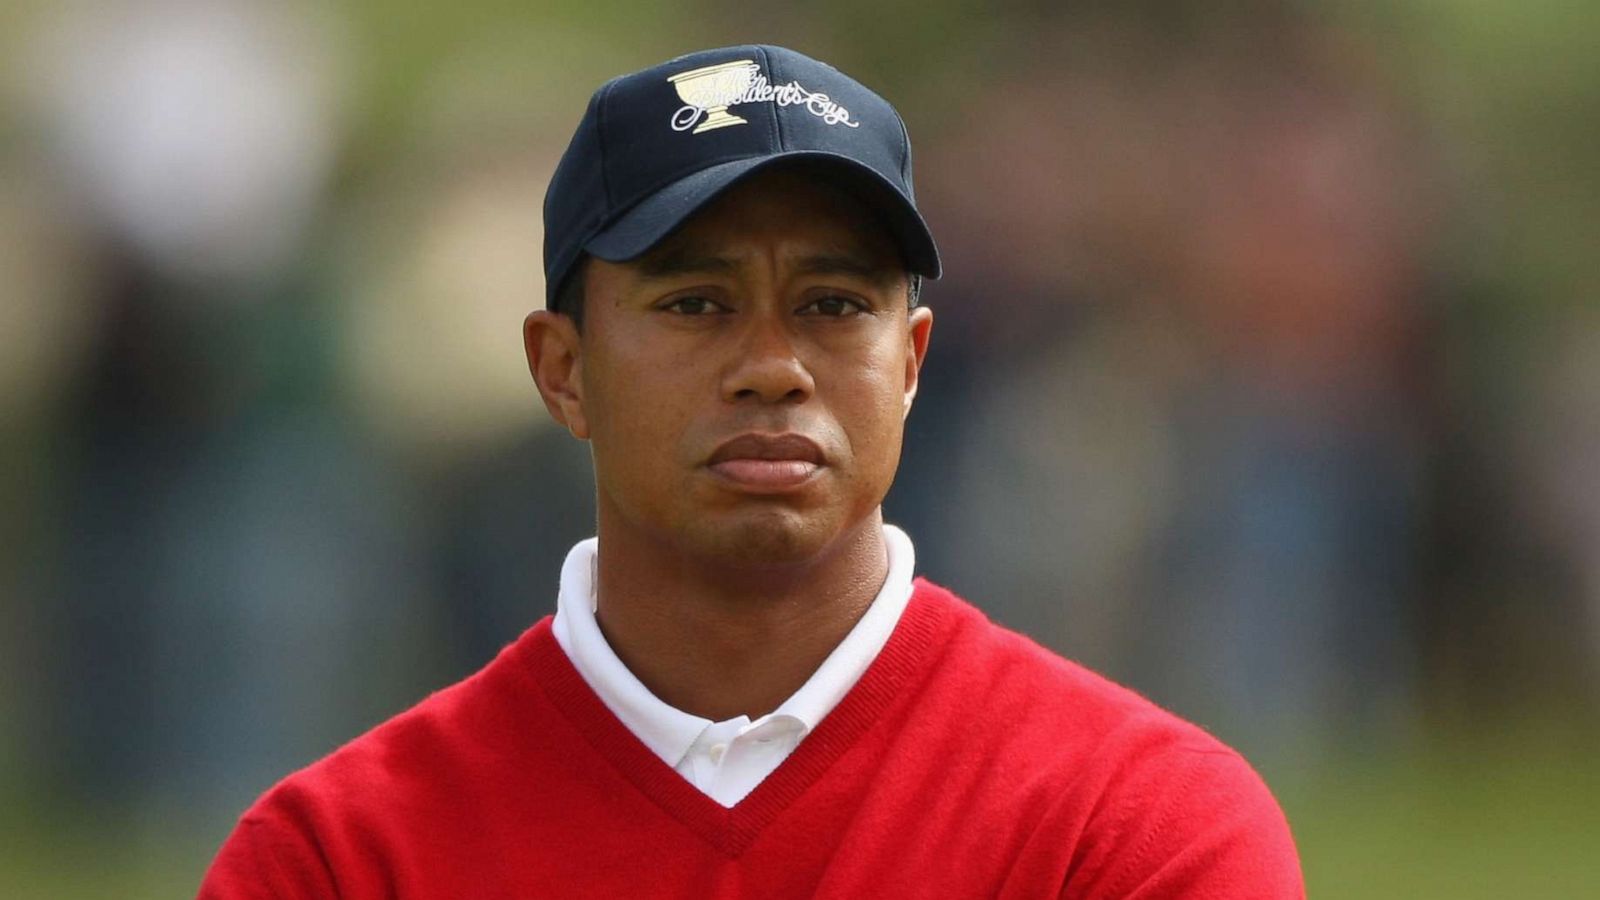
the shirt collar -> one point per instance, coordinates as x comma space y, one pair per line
670, 732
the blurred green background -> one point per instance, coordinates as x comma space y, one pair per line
1266, 379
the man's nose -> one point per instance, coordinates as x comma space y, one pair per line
768, 367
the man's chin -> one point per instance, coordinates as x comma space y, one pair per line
774, 536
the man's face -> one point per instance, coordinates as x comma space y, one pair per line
744, 384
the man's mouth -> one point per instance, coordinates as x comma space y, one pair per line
767, 463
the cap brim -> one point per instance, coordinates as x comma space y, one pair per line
650, 220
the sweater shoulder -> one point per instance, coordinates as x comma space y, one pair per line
458, 729
1026, 682
489, 750
1160, 806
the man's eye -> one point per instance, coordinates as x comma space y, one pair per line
833, 306
691, 306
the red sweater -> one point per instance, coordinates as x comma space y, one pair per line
966, 762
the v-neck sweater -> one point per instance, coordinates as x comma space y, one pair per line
966, 762
724, 760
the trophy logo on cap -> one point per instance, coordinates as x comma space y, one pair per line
709, 91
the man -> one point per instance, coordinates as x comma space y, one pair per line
743, 692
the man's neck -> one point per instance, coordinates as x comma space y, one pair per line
720, 641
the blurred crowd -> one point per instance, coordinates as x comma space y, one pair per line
1264, 377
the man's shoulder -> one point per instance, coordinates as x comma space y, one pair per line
1022, 679
428, 770
1157, 803
423, 749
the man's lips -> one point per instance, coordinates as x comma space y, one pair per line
767, 463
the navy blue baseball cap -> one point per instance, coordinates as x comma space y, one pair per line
659, 144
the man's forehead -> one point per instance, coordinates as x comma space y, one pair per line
692, 259
718, 253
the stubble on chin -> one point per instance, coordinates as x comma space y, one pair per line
763, 538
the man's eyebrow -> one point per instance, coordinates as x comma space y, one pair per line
691, 260
683, 261
848, 264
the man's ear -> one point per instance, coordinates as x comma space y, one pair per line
556, 364
919, 324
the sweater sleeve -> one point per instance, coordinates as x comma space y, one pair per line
266, 857
1197, 824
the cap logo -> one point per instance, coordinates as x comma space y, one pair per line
708, 92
